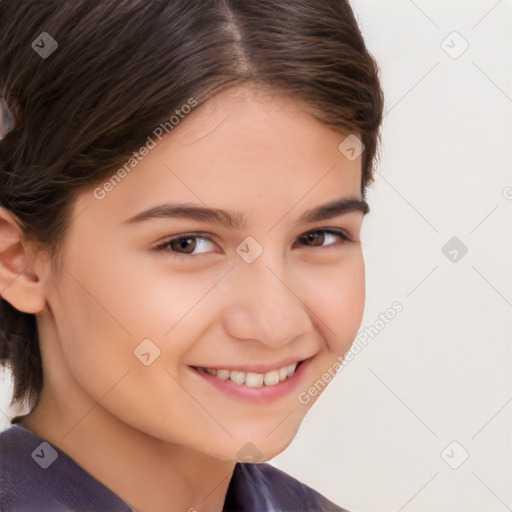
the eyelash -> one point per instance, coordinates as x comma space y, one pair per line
164, 247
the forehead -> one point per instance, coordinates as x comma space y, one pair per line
246, 105
245, 148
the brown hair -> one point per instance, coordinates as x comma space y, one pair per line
123, 67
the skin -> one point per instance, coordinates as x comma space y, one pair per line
158, 436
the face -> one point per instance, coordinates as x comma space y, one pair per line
241, 270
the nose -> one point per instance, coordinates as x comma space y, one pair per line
262, 305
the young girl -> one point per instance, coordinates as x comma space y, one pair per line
182, 188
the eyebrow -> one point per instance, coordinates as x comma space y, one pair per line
236, 220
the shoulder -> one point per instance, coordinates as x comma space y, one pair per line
34, 475
256, 487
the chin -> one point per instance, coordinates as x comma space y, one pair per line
253, 449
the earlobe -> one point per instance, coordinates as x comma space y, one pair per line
19, 283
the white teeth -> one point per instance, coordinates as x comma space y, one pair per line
237, 377
252, 379
291, 369
271, 378
223, 374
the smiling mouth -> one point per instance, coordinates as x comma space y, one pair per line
253, 379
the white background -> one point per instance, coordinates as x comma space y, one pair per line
441, 371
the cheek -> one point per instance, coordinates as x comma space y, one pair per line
104, 312
337, 297
100, 318
100, 328
94, 343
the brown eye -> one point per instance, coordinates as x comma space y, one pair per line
313, 239
186, 245
183, 244
319, 237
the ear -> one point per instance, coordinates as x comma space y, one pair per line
19, 284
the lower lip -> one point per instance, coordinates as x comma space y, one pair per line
258, 394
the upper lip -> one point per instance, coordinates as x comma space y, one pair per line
255, 367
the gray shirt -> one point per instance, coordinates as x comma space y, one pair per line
36, 476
